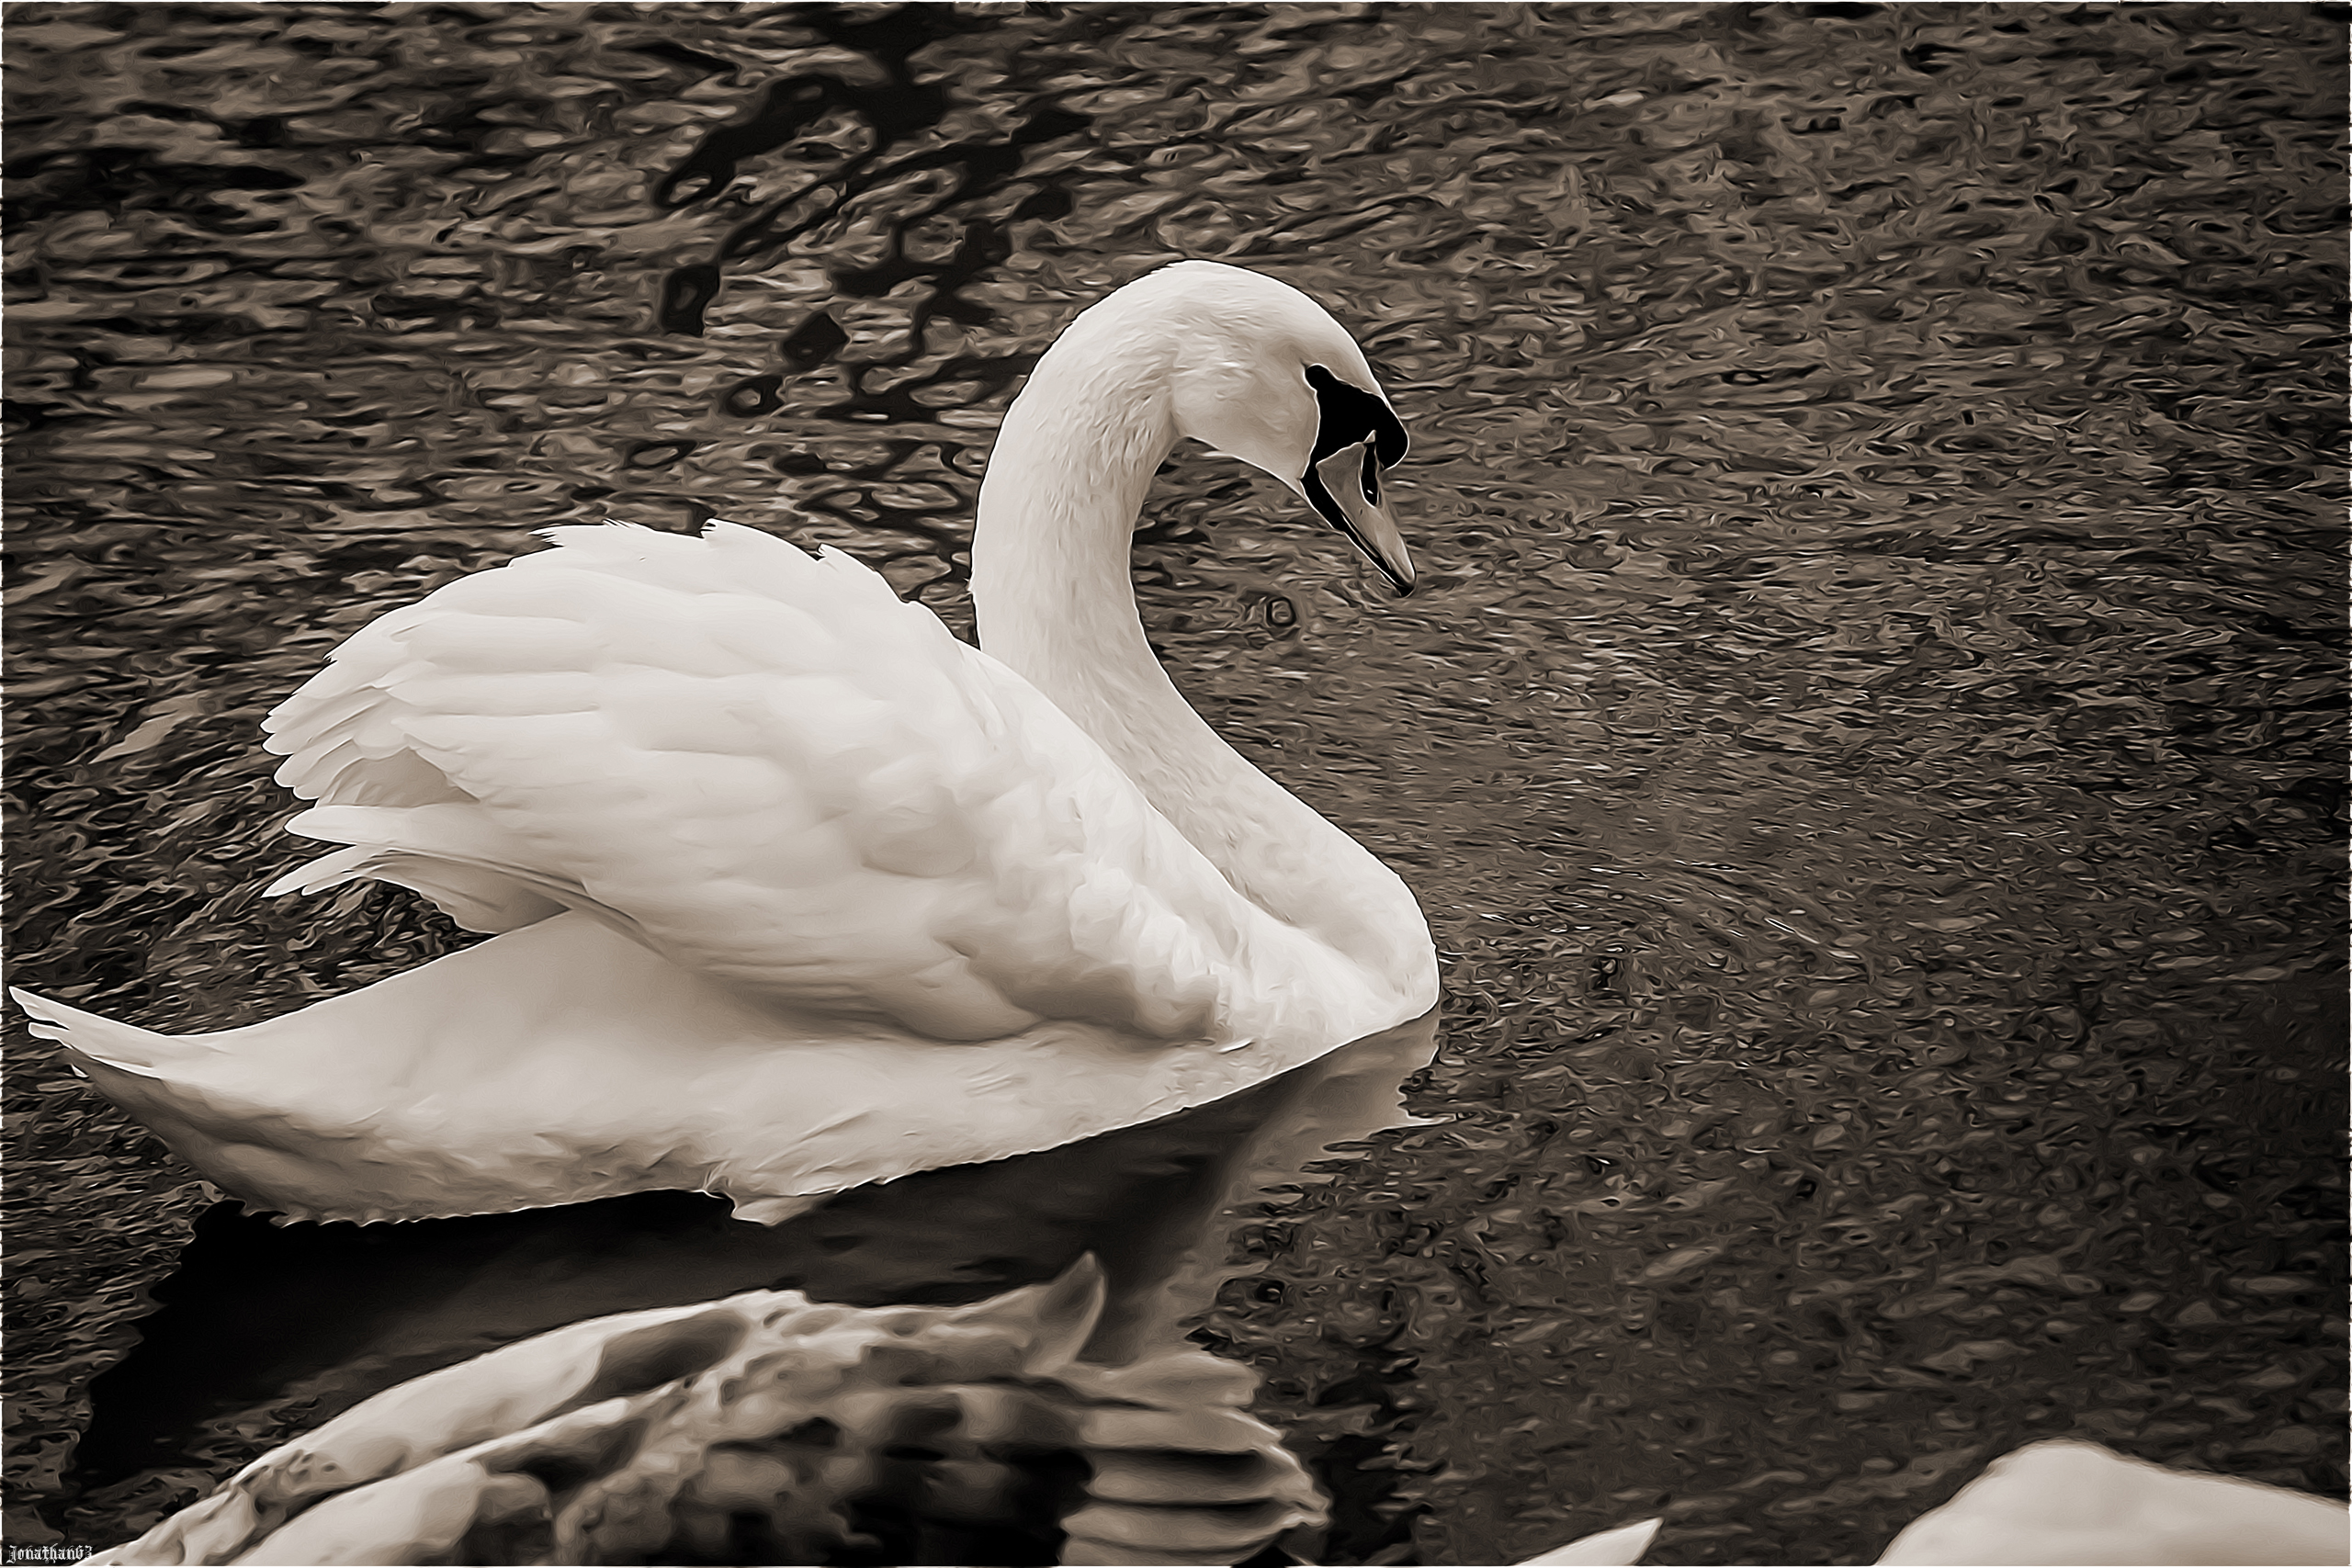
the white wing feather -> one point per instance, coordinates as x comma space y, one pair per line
767, 768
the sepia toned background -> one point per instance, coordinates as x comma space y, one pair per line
1866, 739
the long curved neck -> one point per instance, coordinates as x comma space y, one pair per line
1055, 599
1050, 584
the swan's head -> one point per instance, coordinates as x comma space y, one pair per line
1262, 373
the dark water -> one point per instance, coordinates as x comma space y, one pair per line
1868, 741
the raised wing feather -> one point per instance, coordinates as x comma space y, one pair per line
767, 768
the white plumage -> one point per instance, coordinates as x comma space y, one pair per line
767, 769
796, 890
2065, 1501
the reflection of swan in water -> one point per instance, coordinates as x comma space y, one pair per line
797, 891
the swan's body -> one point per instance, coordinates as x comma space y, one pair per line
799, 892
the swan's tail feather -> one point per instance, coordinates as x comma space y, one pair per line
125, 1047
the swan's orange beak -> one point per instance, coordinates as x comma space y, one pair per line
1345, 488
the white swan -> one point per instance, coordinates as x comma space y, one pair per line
799, 892
2065, 1501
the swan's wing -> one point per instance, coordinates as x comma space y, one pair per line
768, 767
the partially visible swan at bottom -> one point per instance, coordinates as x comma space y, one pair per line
2068, 1502
768, 1428
797, 892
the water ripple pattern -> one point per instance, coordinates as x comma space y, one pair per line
1866, 742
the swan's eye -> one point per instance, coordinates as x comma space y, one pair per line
1371, 477
1349, 414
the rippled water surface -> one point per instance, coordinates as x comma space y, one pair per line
1866, 741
